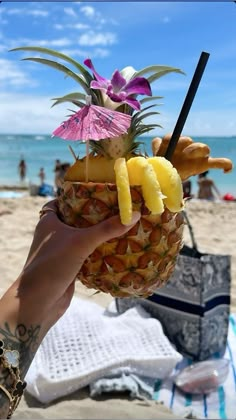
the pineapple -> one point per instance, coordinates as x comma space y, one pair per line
121, 179
123, 191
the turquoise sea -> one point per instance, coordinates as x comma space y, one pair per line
42, 151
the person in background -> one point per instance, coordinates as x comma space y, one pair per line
187, 188
41, 175
207, 189
42, 293
22, 170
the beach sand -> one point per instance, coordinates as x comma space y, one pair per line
214, 226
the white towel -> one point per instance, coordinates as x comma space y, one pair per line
220, 404
87, 344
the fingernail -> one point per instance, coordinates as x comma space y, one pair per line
135, 218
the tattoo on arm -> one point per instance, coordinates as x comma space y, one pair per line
25, 341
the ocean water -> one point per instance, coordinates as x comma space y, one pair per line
42, 151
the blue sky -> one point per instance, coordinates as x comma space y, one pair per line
114, 35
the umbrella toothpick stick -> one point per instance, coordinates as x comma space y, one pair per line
87, 161
73, 153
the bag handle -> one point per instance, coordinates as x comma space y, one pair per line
194, 244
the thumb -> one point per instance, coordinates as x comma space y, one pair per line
111, 228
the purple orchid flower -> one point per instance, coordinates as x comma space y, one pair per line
118, 89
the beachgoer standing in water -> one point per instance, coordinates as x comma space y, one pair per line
41, 175
22, 170
207, 187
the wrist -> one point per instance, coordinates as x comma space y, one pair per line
11, 380
18, 329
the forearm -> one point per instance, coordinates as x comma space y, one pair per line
16, 333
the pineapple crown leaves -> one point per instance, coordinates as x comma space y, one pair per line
75, 97
85, 78
158, 71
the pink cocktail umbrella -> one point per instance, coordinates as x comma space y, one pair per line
93, 122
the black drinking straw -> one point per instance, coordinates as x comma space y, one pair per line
187, 104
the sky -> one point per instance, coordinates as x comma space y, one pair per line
115, 35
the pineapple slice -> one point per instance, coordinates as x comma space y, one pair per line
135, 169
142, 173
170, 183
123, 189
100, 169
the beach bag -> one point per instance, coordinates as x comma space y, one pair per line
194, 306
46, 190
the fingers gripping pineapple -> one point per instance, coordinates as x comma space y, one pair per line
114, 178
190, 158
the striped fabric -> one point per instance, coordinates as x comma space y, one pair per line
220, 404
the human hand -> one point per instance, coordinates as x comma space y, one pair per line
46, 285
189, 157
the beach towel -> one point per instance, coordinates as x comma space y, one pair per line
220, 404
87, 344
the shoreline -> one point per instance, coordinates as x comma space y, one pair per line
14, 187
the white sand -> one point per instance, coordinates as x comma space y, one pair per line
214, 226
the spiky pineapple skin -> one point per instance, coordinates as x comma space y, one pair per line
135, 264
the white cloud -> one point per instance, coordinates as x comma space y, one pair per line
70, 12
96, 17
37, 12
212, 122
26, 11
97, 52
15, 11
199, 123
100, 52
59, 42
58, 26
88, 11
92, 38
77, 26
32, 114
72, 52
11, 75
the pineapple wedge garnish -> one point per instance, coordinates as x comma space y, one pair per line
142, 173
135, 169
160, 182
170, 183
123, 191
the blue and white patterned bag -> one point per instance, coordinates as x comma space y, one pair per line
194, 305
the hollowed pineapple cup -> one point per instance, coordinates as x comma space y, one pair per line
135, 264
